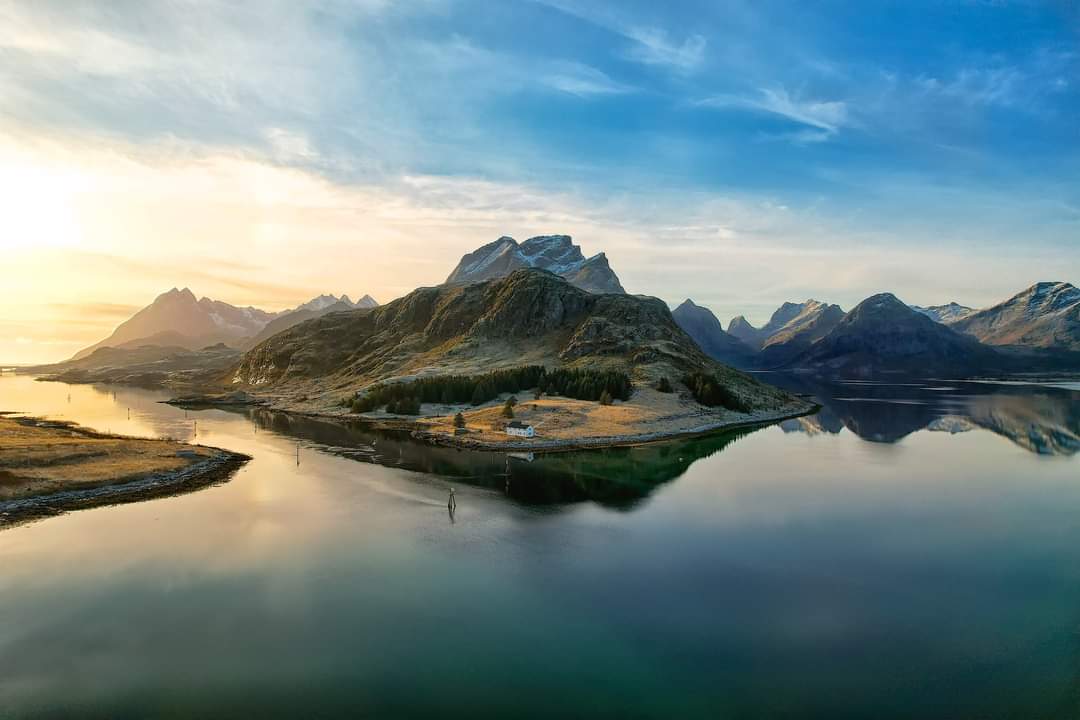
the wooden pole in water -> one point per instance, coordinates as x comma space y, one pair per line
298, 454
196, 428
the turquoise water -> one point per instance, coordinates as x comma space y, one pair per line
911, 551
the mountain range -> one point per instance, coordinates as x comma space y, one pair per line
1036, 330
883, 334
554, 253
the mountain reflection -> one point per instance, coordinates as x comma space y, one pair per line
614, 477
1041, 419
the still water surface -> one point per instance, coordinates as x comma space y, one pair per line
911, 551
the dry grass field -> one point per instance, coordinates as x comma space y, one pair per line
565, 421
41, 457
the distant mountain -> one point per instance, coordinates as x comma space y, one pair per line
530, 316
1046, 315
946, 314
554, 253
792, 329
813, 322
758, 337
178, 318
705, 329
882, 334
740, 328
365, 303
308, 311
323, 302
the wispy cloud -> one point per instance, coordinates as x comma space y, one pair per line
583, 81
654, 48
650, 45
1002, 86
826, 117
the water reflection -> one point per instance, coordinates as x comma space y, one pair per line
1043, 419
786, 576
613, 477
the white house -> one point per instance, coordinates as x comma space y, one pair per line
519, 429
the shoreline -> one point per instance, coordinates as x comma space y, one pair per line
419, 432
217, 467
216, 470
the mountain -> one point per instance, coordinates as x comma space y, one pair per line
741, 329
786, 313
528, 317
365, 303
946, 314
1046, 315
813, 321
792, 329
882, 334
177, 318
324, 302
554, 253
705, 329
317, 307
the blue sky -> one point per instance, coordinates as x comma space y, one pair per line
743, 153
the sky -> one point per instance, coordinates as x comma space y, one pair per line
738, 153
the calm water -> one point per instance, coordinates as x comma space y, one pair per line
912, 551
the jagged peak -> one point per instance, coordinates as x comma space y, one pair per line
740, 320
176, 294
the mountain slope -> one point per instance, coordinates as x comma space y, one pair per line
882, 334
530, 316
189, 323
1046, 315
554, 253
705, 329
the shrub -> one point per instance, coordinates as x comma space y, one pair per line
605, 398
459, 421
508, 409
664, 386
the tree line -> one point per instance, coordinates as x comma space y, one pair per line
405, 398
708, 390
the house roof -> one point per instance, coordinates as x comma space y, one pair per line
517, 425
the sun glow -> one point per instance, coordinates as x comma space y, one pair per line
40, 204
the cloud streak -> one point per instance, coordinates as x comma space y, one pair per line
825, 118
649, 45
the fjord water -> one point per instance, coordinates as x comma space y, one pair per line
911, 551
